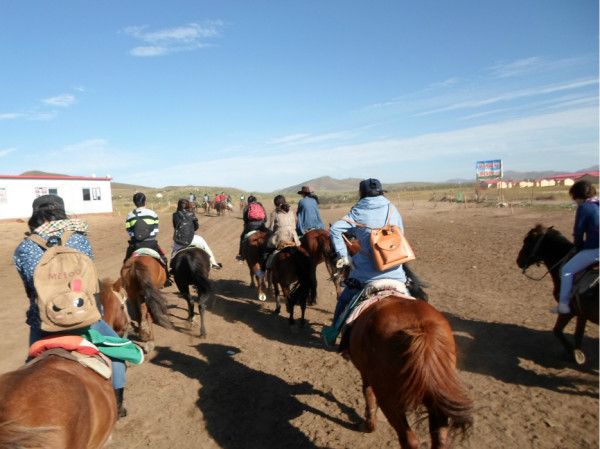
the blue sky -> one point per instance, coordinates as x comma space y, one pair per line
264, 94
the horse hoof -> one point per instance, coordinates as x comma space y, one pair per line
277, 310
203, 335
148, 347
262, 297
579, 356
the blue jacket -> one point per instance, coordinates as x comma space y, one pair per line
309, 216
585, 231
372, 212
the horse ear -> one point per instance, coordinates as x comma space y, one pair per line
550, 227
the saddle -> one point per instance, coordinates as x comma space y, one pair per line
97, 361
376, 291
282, 246
585, 280
147, 252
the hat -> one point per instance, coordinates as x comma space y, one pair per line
370, 187
48, 202
305, 190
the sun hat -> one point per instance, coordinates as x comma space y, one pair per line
371, 187
305, 190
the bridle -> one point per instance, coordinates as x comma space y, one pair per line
534, 252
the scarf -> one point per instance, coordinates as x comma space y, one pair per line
56, 228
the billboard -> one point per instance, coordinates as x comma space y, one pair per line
489, 169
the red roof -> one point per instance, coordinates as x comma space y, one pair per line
68, 178
576, 175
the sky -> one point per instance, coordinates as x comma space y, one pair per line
261, 95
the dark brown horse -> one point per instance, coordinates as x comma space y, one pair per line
317, 244
220, 207
292, 265
406, 355
191, 266
550, 247
252, 248
114, 304
55, 403
143, 277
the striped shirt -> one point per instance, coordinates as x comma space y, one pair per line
142, 213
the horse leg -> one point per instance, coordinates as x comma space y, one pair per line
561, 322
370, 407
252, 279
201, 309
146, 334
438, 429
190, 304
303, 311
277, 303
578, 354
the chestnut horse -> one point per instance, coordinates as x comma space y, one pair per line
317, 244
293, 265
549, 246
114, 304
406, 355
191, 266
56, 403
143, 277
252, 248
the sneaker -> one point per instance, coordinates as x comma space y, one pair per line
561, 309
329, 335
217, 266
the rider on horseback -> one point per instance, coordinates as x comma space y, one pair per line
254, 217
371, 210
282, 225
308, 212
50, 222
585, 233
142, 226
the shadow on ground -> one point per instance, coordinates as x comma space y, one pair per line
246, 408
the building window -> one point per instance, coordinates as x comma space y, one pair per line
86, 195
92, 194
96, 194
52, 191
40, 191
3, 198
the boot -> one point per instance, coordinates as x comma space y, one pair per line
168, 281
121, 410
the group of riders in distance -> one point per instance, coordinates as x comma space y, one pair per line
380, 314
220, 203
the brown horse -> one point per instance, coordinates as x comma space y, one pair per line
55, 403
252, 248
143, 277
317, 244
293, 265
221, 208
405, 352
549, 246
114, 304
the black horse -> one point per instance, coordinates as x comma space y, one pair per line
549, 246
191, 266
292, 270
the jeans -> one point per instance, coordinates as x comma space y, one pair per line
118, 366
343, 302
578, 262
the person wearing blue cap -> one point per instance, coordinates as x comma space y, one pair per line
373, 210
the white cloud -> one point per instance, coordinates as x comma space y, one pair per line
62, 100
10, 115
536, 64
6, 151
538, 135
168, 40
306, 139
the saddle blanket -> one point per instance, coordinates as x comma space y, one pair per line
376, 291
147, 252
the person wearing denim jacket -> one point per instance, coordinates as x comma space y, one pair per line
372, 211
50, 221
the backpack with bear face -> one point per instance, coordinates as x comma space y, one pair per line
66, 283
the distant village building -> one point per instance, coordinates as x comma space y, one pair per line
564, 179
81, 194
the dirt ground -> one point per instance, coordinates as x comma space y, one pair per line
257, 383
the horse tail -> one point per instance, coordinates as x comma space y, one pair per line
17, 436
202, 283
306, 291
429, 375
152, 296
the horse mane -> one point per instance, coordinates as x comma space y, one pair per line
14, 435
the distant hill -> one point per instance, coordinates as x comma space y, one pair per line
325, 184
40, 173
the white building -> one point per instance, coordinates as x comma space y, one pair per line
82, 195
